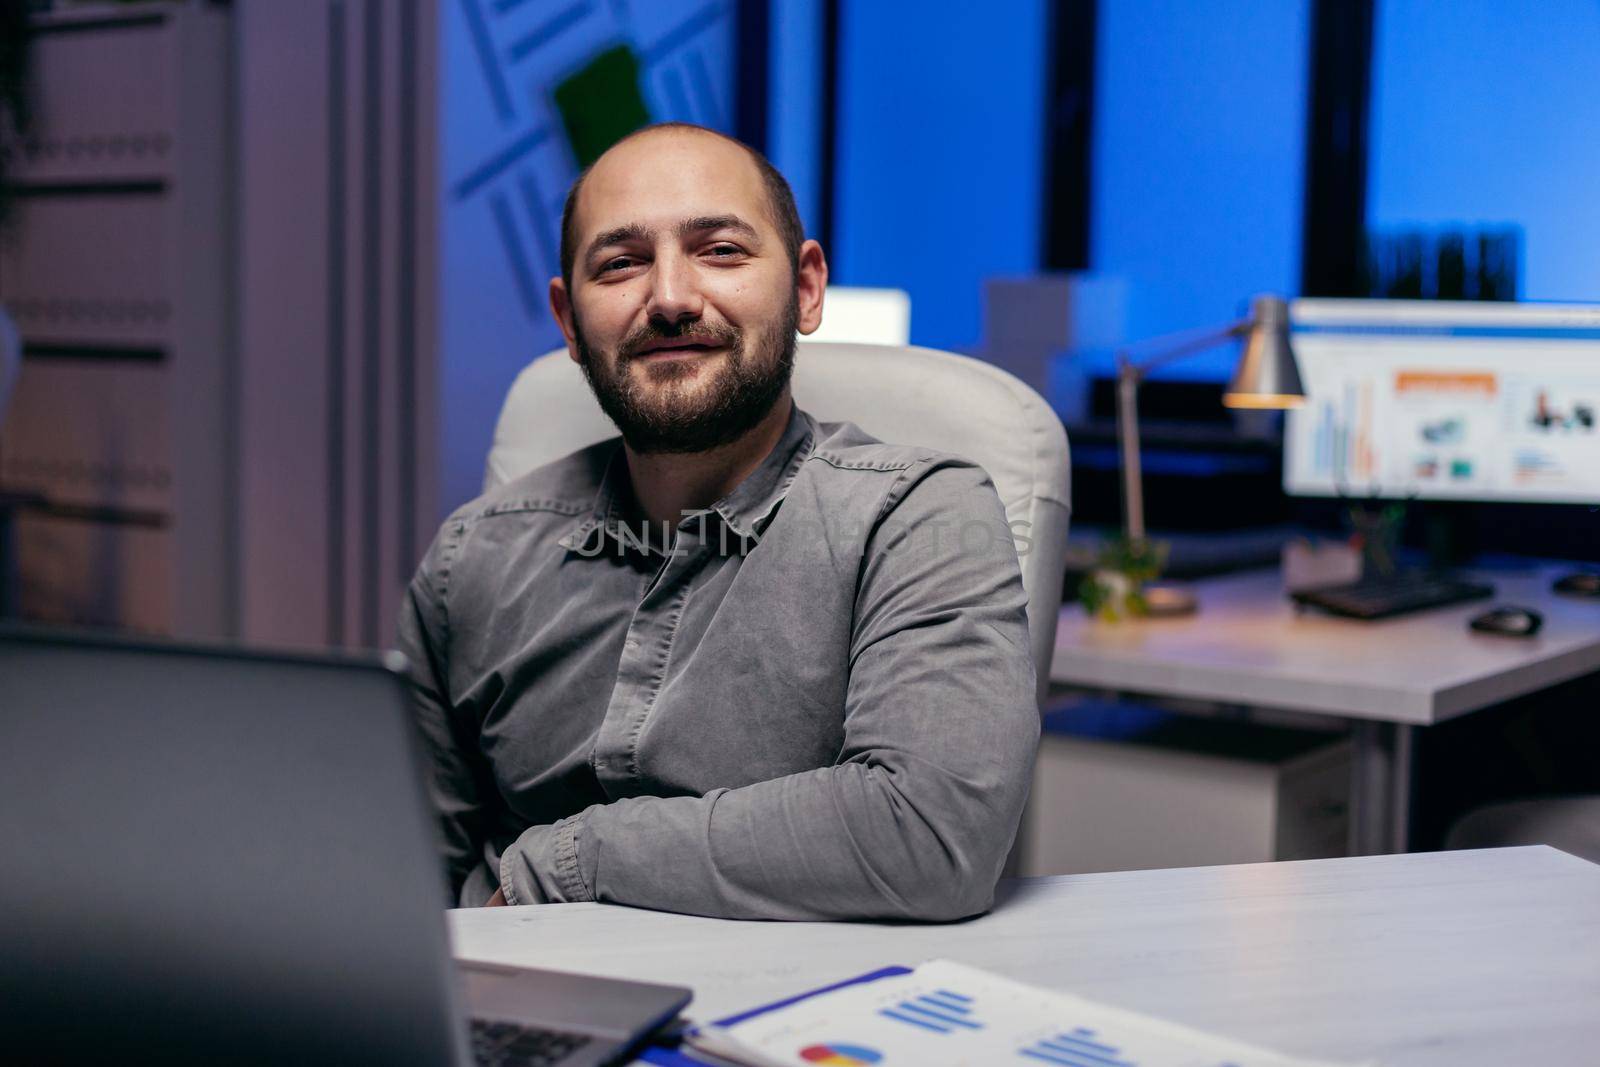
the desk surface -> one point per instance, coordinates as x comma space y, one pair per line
1452, 958
1249, 645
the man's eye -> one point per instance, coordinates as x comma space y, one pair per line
616, 264
725, 251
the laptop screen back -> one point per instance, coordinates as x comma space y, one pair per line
220, 857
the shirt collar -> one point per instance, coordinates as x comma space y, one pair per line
603, 513
746, 510
749, 507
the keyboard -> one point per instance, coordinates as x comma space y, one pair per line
1380, 598
515, 1045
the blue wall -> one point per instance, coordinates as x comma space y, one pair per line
1486, 111
940, 153
505, 167
794, 105
1197, 160
1199, 135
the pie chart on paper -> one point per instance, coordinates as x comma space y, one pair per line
841, 1055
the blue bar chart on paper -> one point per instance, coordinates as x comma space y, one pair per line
1078, 1047
943, 1012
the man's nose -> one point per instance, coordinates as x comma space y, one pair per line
675, 293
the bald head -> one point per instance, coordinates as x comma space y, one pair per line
661, 142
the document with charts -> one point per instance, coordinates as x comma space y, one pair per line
945, 1013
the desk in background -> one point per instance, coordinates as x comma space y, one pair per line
1249, 646
1450, 958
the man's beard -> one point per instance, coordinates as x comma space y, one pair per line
720, 411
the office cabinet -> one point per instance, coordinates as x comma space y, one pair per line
1184, 792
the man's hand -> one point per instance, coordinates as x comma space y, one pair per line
498, 900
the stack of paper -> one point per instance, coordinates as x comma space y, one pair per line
947, 1013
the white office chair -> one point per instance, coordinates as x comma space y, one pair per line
903, 395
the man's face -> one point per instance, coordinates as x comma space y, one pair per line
683, 305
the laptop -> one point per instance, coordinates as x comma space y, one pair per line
220, 856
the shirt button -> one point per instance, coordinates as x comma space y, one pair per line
631, 645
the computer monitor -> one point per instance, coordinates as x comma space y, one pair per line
1442, 400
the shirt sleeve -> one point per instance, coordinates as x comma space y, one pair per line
453, 767
917, 815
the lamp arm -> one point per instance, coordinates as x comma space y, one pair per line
1181, 346
1130, 372
1128, 439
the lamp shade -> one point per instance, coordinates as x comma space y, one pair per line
1267, 376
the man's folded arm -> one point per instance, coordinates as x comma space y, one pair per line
915, 819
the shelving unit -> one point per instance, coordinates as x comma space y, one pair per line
119, 275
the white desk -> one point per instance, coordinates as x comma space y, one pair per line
1248, 645
1441, 959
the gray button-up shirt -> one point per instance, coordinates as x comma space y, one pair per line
813, 700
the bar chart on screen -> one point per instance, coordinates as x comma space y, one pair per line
1344, 449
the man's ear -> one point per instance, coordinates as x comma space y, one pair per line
561, 305
810, 280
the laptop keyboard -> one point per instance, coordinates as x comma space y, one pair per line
512, 1044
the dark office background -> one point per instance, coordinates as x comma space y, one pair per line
1174, 157
391, 177
1170, 159
1183, 156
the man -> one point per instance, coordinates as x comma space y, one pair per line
726, 665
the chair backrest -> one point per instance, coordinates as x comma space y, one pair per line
904, 395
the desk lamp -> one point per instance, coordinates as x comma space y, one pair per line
1266, 377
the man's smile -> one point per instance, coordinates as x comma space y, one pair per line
677, 348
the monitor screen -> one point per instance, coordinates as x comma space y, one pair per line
1446, 401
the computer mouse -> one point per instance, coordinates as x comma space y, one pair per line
1508, 622
1583, 583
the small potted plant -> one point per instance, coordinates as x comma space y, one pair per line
1115, 588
